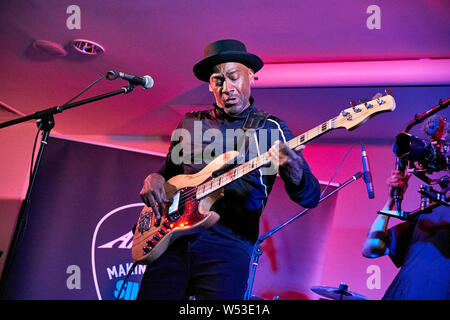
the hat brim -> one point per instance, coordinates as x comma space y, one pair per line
203, 68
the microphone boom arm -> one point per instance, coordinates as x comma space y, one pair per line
54, 110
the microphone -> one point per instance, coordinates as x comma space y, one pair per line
145, 81
367, 174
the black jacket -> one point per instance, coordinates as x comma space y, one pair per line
207, 134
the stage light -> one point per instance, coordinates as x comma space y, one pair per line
87, 47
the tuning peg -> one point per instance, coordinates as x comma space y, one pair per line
354, 106
389, 92
346, 114
380, 101
356, 109
366, 103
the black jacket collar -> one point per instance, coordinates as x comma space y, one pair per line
220, 114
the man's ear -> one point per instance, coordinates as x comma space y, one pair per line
251, 76
210, 89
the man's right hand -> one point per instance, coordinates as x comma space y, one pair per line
153, 194
398, 179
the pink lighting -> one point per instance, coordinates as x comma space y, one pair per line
360, 73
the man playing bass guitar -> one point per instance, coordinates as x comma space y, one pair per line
214, 263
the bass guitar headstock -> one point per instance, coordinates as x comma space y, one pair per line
353, 117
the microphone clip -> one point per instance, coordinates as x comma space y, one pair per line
113, 75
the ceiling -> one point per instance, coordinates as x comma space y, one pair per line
164, 39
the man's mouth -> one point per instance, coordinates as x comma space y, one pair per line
231, 100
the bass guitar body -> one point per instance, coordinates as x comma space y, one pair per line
184, 214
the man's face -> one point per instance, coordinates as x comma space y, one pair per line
230, 84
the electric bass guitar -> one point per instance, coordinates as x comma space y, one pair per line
192, 196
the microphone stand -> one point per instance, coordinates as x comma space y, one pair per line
45, 122
257, 250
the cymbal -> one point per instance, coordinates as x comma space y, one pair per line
340, 293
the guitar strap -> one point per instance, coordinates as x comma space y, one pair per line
255, 120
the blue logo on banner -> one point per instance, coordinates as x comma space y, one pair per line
129, 291
111, 254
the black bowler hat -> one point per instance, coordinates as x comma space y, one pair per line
225, 51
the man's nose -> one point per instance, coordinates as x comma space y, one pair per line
227, 86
